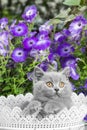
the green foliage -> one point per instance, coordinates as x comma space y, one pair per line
75, 2
15, 81
72, 2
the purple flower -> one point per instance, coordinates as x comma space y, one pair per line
42, 44
76, 39
47, 27
3, 51
54, 64
53, 48
77, 25
65, 49
83, 89
30, 13
44, 65
83, 49
71, 62
19, 55
4, 42
85, 118
13, 24
33, 53
29, 76
51, 57
29, 43
32, 34
42, 36
66, 32
59, 37
3, 23
73, 73
68, 61
4, 38
85, 86
53, 52
73, 87
20, 29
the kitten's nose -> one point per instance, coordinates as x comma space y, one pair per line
56, 89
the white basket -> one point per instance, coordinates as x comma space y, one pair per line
11, 115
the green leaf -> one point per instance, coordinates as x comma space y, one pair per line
19, 90
85, 67
72, 2
69, 18
63, 13
6, 88
55, 21
1, 79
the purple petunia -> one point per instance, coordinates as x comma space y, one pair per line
73, 73
85, 118
83, 49
4, 38
32, 34
85, 86
33, 53
68, 61
73, 87
3, 22
29, 76
19, 55
51, 57
83, 89
30, 13
42, 36
54, 64
29, 43
72, 36
42, 44
71, 62
59, 37
66, 32
13, 24
44, 65
65, 49
76, 38
3, 51
20, 29
77, 25
47, 27
4, 42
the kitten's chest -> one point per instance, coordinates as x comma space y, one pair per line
57, 99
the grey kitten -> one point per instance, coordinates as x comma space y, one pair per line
52, 92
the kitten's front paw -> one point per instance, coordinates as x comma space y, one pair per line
51, 108
41, 115
33, 108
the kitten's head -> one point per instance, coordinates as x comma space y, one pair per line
49, 84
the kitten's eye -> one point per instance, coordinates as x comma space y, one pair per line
61, 84
49, 84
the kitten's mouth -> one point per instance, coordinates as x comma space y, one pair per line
57, 94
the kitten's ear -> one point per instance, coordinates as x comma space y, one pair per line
66, 71
38, 73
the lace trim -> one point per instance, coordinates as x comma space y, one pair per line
11, 114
